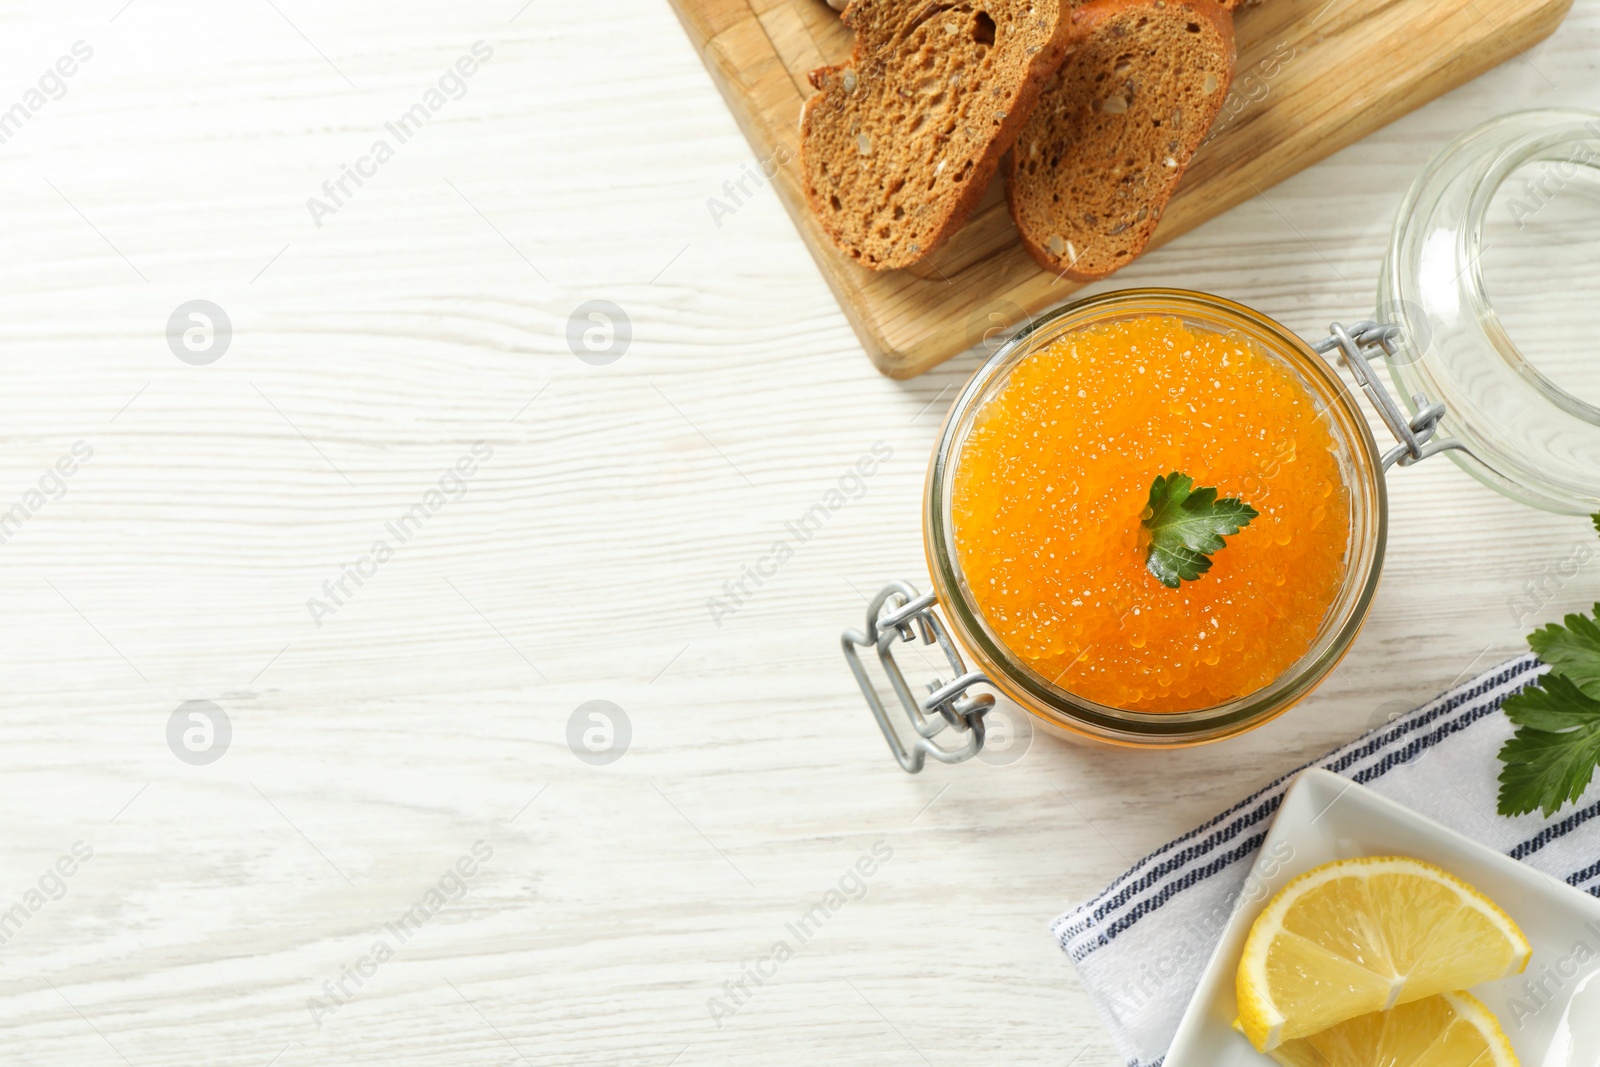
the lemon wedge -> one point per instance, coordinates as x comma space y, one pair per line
1364, 935
1449, 1030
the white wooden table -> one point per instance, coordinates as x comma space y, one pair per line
376, 738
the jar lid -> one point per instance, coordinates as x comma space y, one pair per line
1525, 426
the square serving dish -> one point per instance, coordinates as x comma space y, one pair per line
1324, 818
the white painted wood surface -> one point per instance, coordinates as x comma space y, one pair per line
430, 711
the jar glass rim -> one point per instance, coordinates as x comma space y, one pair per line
1369, 526
1522, 433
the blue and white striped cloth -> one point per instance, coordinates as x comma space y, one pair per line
1141, 945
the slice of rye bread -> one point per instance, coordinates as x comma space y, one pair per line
1103, 151
898, 144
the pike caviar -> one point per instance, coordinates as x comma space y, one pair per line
1053, 480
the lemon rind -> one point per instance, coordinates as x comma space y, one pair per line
1477, 1013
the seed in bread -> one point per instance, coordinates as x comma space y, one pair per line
899, 143
1102, 153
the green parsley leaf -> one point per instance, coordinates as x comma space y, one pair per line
1187, 526
1572, 650
1551, 758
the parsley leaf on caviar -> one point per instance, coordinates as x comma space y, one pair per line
1187, 526
1551, 758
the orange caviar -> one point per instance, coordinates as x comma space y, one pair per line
1052, 482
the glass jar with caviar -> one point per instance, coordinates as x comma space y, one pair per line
1040, 512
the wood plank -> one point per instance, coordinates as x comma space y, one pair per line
1314, 76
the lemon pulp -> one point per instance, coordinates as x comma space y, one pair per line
1365, 935
1449, 1030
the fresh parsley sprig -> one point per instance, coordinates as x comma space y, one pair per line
1552, 757
1572, 650
1187, 526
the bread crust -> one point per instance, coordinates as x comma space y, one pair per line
953, 211
1086, 22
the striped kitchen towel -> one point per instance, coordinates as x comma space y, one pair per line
1140, 945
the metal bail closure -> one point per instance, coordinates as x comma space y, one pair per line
1358, 345
898, 612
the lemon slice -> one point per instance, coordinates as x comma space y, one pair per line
1450, 1030
1365, 935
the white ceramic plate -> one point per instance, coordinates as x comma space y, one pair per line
1324, 818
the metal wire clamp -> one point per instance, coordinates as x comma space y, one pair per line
898, 612
1363, 342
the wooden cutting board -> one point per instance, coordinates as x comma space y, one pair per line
1313, 76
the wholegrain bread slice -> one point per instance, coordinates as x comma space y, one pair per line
898, 144
1104, 149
